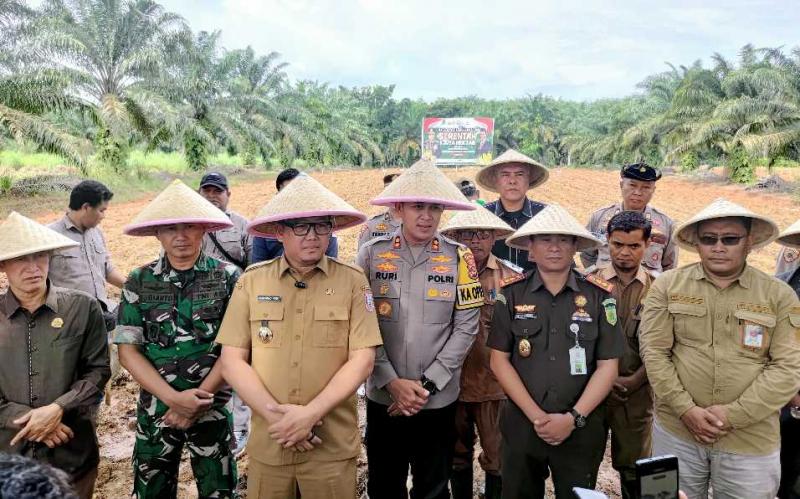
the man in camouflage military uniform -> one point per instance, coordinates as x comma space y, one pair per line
638, 184
169, 315
383, 224
481, 395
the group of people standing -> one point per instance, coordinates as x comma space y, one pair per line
478, 327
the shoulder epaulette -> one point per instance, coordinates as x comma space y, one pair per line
260, 264
451, 241
599, 282
509, 265
507, 281
377, 239
346, 264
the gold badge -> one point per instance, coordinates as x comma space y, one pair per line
385, 309
329, 291
265, 333
580, 301
524, 347
57, 323
384, 289
441, 259
433, 293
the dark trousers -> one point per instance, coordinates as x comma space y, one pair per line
528, 460
790, 457
424, 441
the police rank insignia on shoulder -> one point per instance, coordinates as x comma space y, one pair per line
506, 281
610, 306
599, 282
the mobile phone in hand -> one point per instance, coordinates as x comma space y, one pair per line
657, 477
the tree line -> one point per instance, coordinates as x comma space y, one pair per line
93, 79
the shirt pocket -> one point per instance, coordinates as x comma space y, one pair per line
753, 334
66, 261
387, 300
158, 327
530, 330
331, 326
689, 322
266, 324
206, 318
439, 304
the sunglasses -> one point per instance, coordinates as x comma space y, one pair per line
302, 229
469, 235
726, 240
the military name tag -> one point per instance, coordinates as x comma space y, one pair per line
264, 332
577, 361
522, 317
269, 298
524, 347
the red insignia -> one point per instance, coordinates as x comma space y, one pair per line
472, 269
600, 283
435, 244
511, 279
396, 244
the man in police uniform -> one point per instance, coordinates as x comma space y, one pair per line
511, 175
720, 346
630, 405
427, 295
556, 340
790, 418
298, 339
234, 244
481, 395
638, 184
169, 316
383, 224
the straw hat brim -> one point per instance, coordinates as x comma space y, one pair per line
522, 241
423, 182
151, 228
791, 236
21, 236
487, 176
480, 219
762, 229
553, 220
268, 226
448, 204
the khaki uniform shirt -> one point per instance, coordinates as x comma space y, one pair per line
788, 260
427, 311
234, 240
298, 340
630, 302
58, 354
700, 345
377, 226
662, 254
84, 267
527, 311
478, 383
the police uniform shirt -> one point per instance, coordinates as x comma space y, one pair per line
525, 310
377, 226
515, 219
660, 255
234, 240
427, 311
298, 340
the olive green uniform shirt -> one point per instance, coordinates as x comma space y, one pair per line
694, 342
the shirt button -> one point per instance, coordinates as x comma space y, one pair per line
553, 304
294, 392
35, 398
552, 357
297, 336
299, 310
717, 390
295, 364
720, 316
553, 331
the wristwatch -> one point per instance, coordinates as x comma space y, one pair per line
429, 385
580, 420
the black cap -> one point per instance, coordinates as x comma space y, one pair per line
466, 186
640, 171
388, 179
216, 179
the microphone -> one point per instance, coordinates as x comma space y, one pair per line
300, 284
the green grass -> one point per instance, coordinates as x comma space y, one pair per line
16, 160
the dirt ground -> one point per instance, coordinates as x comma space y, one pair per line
580, 191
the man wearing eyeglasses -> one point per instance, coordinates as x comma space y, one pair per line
718, 339
481, 395
638, 184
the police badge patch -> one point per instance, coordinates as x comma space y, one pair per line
610, 306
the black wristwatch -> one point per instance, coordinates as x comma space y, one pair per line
429, 385
580, 420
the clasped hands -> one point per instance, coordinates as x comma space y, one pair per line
707, 425
554, 428
408, 395
43, 425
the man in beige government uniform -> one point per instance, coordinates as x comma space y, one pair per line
481, 395
427, 295
298, 338
638, 184
719, 343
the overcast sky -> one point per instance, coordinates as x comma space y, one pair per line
575, 49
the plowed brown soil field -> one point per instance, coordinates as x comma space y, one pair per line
580, 191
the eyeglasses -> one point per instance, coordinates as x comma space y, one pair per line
469, 235
726, 240
302, 229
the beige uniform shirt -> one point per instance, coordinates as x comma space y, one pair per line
84, 267
377, 226
662, 254
427, 311
298, 340
234, 240
737, 347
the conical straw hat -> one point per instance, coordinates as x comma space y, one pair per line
20, 236
177, 204
478, 219
423, 183
304, 197
487, 176
791, 236
762, 229
553, 219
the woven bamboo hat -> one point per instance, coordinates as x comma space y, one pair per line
487, 176
553, 219
762, 229
478, 219
791, 236
20, 236
423, 183
177, 204
304, 197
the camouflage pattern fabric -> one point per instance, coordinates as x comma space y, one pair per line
175, 316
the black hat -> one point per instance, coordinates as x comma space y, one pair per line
640, 171
216, 179
466, 186
389, 178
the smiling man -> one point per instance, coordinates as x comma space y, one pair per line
718, 339
427, 294
637, 184
512, 175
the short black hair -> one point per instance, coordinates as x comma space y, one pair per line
89, 191
285, 176
629, 221
25, 478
